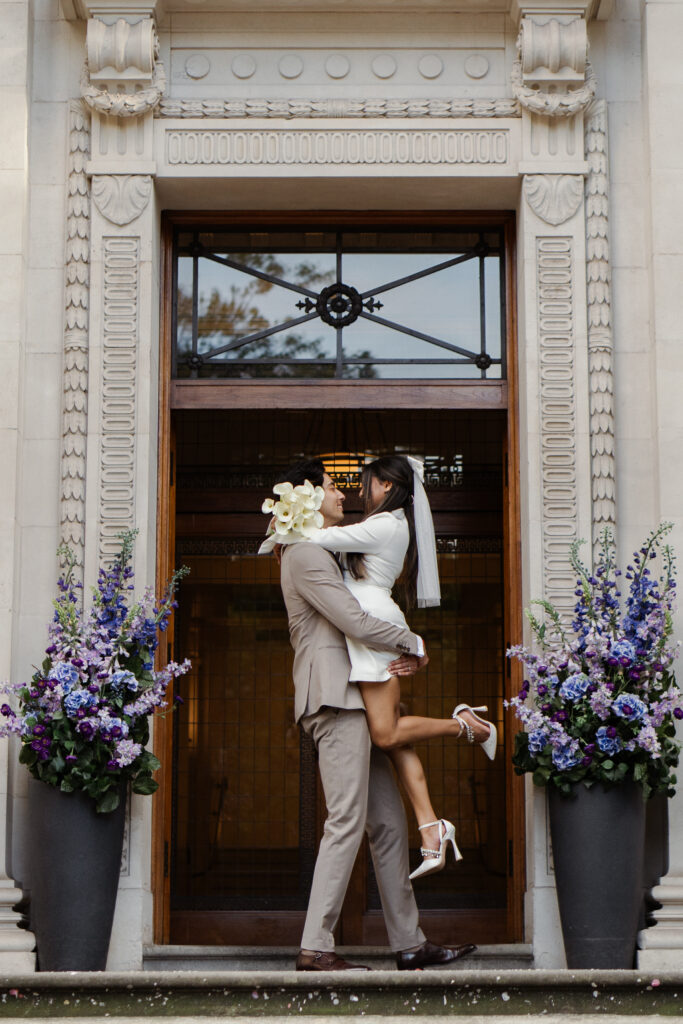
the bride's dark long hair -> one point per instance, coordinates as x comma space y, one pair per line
396, 470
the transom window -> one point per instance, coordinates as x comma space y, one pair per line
358, 304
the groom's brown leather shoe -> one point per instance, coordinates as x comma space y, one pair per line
325, 962
429, 955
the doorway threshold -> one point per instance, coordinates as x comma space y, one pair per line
505, 956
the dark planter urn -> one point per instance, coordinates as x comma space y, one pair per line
75, 864
598, 837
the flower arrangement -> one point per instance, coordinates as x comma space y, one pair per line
599, 706
294, 516
83, 718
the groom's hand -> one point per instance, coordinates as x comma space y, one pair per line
407, 664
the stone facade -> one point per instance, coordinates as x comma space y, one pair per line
114, 111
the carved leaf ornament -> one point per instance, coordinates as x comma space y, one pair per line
554, 197
123, 104
121, 197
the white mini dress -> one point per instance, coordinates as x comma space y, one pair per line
383, 540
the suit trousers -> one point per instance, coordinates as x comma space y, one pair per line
361, 795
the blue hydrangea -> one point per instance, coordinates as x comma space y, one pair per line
65, 674
537, 741
574, 687
123, 680
624, 651
78, 699
608, 744
629, 706
113, 728
565, 757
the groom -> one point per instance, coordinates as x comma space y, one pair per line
359, 785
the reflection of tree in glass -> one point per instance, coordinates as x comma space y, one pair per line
224, 318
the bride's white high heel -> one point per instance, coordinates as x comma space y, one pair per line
437, 860
489, 744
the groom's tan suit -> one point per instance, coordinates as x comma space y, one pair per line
360, 788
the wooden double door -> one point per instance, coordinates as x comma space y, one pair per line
241, 812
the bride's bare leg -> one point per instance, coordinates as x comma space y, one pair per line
383, 708
411, 773
389, 729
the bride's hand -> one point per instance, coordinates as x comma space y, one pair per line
406, 665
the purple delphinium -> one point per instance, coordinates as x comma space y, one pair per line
608, 684
97, 685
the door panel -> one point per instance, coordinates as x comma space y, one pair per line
247, 812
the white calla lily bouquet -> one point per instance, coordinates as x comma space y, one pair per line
294, 515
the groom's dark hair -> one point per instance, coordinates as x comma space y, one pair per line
307, 469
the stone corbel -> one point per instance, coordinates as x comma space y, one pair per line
122, 75
552, 75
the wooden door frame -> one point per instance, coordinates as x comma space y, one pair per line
409, 394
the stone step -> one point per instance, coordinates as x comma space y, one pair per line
186, 996
281, 958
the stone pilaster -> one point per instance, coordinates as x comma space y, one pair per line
121, 83
553, 82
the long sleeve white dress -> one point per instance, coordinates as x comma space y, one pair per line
383, 540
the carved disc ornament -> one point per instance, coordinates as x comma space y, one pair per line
339, 305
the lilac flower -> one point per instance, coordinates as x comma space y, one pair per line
601, 702
127, 751
647, 740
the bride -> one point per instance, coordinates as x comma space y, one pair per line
394, 543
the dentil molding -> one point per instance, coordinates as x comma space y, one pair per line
554, 197
121, 198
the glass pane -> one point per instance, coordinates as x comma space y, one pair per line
234, 303
444, 304
493, 306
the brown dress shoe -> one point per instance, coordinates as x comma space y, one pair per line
429, 955
325, 962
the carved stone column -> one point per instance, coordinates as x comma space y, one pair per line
122, 82
553, 81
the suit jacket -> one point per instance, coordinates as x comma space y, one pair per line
322, 613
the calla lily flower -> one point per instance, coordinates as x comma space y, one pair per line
295, 516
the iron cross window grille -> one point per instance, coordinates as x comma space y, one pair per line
451, 326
